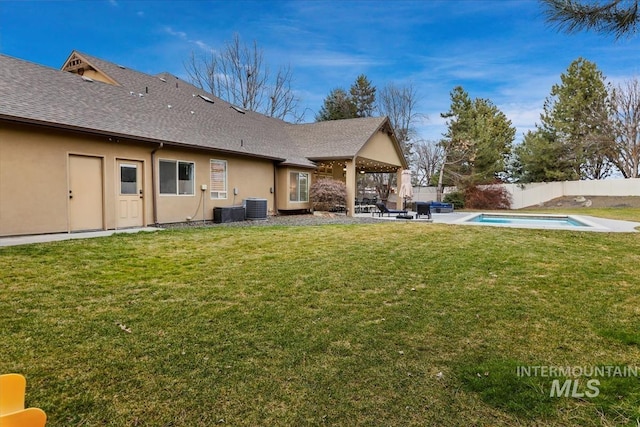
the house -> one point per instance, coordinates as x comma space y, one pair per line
96, 145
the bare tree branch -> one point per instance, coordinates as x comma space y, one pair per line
625, 101
427, 160
239, 75
399, 104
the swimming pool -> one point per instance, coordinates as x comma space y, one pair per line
528, 220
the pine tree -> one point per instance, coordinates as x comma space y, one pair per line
337, 105
617, 17
363, 95
574, 127
478, 140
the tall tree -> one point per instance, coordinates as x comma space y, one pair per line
617, 17
399, 104
576, 114
625, 101
478, 140
540, 159
337, 105
363, 96
238, 74
427, 160
575, 129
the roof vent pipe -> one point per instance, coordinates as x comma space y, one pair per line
146, 89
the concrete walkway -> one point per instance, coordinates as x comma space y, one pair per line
42, 238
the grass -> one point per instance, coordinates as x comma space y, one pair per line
379, 324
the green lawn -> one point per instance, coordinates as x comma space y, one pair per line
390, 324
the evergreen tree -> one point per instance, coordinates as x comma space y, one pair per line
337, 105
574, 128
617, 17
363, 95
540, 159
478, 141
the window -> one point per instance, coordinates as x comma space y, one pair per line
298, 187
176, 177
218, 179
128, 179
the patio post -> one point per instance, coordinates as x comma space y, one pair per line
350, 181
399, 200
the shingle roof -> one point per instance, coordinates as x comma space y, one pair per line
166, 109
334, 138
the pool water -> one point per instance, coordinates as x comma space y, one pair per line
527, 219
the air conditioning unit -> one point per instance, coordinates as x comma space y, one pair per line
255, 209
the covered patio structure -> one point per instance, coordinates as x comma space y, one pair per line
345, 149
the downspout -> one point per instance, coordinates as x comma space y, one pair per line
154, 185
275, 194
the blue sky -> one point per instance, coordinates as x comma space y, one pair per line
501, 50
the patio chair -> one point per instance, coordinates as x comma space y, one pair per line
32, 417
12, 412
382, 209
13, 387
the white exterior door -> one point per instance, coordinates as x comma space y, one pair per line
129, 200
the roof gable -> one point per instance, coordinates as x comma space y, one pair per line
343, 139
78, 64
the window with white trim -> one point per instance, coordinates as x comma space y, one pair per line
298, 187
176, 177
218, 171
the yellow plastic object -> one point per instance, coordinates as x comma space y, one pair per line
32, 417
12, 389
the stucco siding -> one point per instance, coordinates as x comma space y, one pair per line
284, 185
381, 148
251, 178
35, 179
33, 187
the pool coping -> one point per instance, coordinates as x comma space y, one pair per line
597, 224
591, 223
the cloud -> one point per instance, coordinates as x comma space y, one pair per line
334, 60
180, 34
183, 36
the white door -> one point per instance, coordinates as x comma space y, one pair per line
129, 185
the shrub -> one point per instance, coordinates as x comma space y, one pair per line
327, 194
456, 198
487, 197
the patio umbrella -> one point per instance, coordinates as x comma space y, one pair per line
406, 189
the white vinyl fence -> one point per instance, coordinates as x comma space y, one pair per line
524, 195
